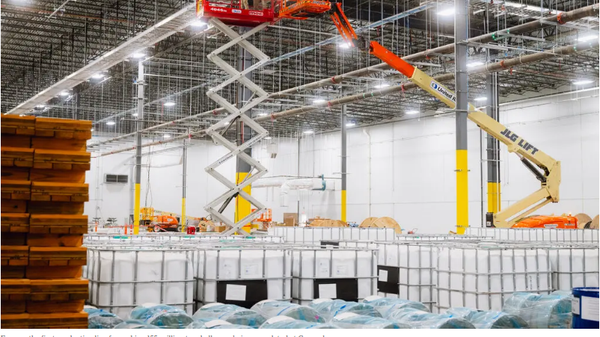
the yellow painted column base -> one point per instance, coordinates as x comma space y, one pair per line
182, 215
136, 210
462, 192
343, 217
243, 206
493, 197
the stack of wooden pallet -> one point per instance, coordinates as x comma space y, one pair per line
44, 162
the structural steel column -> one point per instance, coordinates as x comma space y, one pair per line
242, 206
493, 151
138, 149
461, 25
183, 186
343, 121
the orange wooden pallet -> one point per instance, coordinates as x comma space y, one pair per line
16, 141
18, 125
15, 290
51, 191
16, 173
57, 256
66, 176
55, 207
14, 321
58, 224
45, 272
54, 240
14, 222
63, 128
59, 321
17, 156
34, 307
61, 160
16, 189
14, 255
58, 144
59, 290
13, 307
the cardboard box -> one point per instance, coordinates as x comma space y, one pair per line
290, 219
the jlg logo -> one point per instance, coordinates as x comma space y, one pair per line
522, 143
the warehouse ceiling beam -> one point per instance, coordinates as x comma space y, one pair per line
147, 38
483, 69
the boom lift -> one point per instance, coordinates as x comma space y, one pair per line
531, 156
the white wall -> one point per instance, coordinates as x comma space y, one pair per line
412, 168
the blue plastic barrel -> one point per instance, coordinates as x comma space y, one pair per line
585, 308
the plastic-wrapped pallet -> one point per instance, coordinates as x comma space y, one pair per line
100, 319
488, 319
231, 313
284, 322
270, 308
541, 311
481, 276
388, 304
199, 323
350, 320
215, 324
329, 308
162, 316
135, 324
417, 319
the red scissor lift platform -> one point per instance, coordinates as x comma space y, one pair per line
232, 13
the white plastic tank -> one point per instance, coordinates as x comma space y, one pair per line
574, 265
314, 235
242, 274
123, 277
536, 234
481, 276
342, 273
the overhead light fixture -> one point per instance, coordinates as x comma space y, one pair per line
198, 23
166, 136
307, 132
138, 55
317, 101
446, 12
262, 114
382, 85
169, 104
41, 106
92, 130
480, 99
412, 112
98, 76
64, 93
582, 82
474, 64
268, 138
134, 114
226, 123
350, 124
587, 38
110, 123
344, 45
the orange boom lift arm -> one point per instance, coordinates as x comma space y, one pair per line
531, 156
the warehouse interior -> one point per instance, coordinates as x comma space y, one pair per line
380, 159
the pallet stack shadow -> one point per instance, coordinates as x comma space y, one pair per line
44, 162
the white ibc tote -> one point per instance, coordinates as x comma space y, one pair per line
574, 265
123, 277
537, 234
342, 273
314, 235
481, 276
175, 238
242, 273
438, 237
406, 270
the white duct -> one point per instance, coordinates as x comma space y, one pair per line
288, 184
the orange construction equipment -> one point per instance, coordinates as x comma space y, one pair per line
302, 9
544, 221
163, 223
